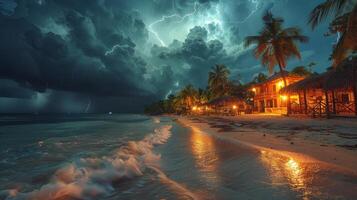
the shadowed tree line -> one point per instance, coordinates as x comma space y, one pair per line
218, 85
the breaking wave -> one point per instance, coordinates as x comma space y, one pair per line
90, 178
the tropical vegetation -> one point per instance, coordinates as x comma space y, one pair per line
275, 45
344, 23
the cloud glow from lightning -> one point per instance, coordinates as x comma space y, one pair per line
173, 16
256, 3
204, 18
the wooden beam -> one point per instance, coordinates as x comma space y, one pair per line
354, 86
305, 101
327, 104
300, 105
334, 102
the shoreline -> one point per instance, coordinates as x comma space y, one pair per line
286, 141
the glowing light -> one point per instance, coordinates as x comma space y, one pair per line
234, 107
280, 84
194, 108
293, 166
254, 90
284, 97
283, 167
206, 158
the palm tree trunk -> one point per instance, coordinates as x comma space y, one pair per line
285, 84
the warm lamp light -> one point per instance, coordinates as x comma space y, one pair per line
234, 107
284, 97
254, 89
194, 108
281, 84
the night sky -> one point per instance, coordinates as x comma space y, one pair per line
85, 56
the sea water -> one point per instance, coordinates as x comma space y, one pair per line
141, 157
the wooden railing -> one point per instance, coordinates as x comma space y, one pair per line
318, 109
344, 107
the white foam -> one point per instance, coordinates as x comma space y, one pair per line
156, 120
90, 178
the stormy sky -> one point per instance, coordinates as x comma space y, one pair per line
85, 56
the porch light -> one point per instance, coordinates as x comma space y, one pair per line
284, 97
281, 84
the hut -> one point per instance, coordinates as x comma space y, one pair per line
226, 105
267, 97
329, 94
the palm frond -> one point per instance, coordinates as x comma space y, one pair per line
348, 40
323, 10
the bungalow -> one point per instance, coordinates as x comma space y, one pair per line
331, 93
267, 97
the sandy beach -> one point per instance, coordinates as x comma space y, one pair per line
332, 142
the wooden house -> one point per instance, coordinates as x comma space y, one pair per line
329, 94
267, 97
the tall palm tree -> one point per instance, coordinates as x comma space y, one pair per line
218, 82
275, 45
188, 97
344, 23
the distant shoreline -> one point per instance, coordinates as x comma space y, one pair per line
308, 140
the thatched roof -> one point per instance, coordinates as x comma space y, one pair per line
224, 101
341, 77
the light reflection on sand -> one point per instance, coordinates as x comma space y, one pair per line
285, 170
204, 150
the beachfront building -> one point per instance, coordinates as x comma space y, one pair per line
332, 93
267, 97
227, 105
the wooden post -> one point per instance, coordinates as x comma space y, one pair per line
354, 86
305, 101
300, 105
327, 104
334, 102
289, 105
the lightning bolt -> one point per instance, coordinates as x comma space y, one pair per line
166, 17
256, 3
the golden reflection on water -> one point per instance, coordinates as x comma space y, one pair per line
204, 151
287, 170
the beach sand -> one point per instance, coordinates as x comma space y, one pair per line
332, 142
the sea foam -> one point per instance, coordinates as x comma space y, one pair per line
90, 178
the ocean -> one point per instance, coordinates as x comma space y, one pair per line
58, 157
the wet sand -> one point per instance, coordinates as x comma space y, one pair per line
331, 142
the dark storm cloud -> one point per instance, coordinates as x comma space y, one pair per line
79, 62
11, 89
75, 46
54, 52
7, 7
197, 55
42, 61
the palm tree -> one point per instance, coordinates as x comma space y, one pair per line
188, 97
261, 77
344, 23
218, 81
275, 45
